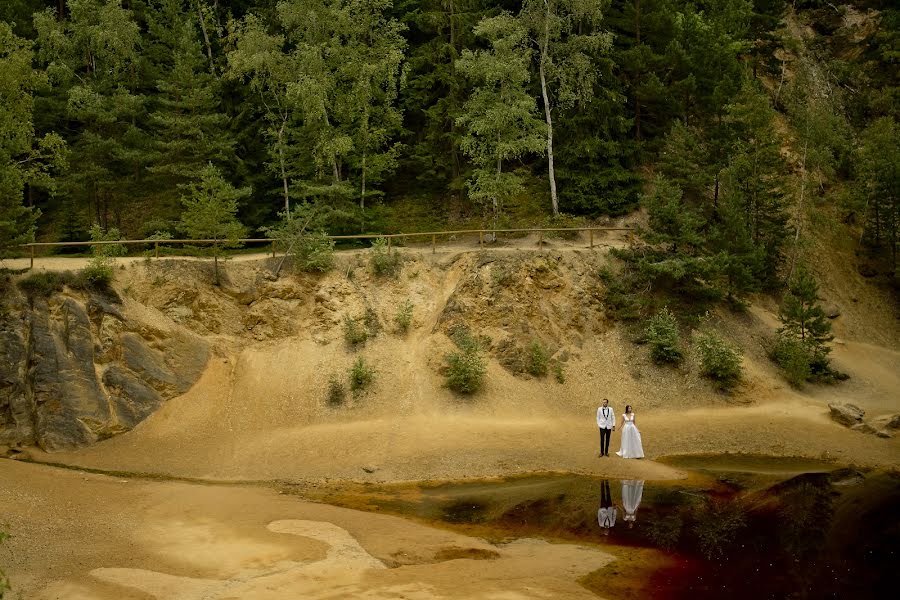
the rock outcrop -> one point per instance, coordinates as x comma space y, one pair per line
74, 370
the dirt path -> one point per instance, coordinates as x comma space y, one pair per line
80, 536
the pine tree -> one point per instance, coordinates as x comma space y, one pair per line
879, 167
210, 210
188, 128
93, 56
803, 319
500, 117
23, 160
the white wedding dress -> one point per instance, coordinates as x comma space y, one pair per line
631, 439
632, 492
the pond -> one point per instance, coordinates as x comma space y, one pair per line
746, 526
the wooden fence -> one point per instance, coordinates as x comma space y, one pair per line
390, 237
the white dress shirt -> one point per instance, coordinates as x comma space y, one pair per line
606, 517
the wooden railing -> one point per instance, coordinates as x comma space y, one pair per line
388, 236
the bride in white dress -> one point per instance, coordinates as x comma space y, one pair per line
631, 437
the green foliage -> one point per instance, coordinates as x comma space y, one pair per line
210, 210
537, 359
663, 337
879, 170
717, 524
620, 300
404, 316
98, 274
465, 370
803, 319
314, 252
336, 391
354, 332
43, 284
23, 158
384, 262
718, 360
466, 367
794, 358
361, 376
559, 372
500, 117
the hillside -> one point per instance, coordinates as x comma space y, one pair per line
260, 408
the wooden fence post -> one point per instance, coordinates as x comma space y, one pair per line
592, 237
540, 239
156, 245
481, 239
389, 245
433, 243
273, 248
32, 257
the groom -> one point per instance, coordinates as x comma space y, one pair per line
606, 421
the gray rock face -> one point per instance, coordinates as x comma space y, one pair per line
847, 414
73, 372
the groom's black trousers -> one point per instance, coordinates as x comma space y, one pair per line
605, 435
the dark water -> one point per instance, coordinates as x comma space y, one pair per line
777, 529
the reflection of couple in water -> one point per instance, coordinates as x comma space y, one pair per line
632, 491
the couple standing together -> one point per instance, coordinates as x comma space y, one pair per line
631, 438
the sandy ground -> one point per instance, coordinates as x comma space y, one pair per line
120, 539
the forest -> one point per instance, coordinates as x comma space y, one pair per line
737, 124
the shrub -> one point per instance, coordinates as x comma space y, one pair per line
361, 375
403, 318
620, 301
718, 360
336, 391
465, 370
558, 371
370, 320
354, 333
383, 262
97, 275
794, 358
43, 284
662, 335
463, 338
313, 252
537, 361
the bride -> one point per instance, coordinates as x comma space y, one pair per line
631, 437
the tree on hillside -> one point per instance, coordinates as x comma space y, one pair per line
754, 183
23, 160
186, 123
328, 81
879, 167
210, 210
93, 55
803, 319
500, 117
568, 38
438, 31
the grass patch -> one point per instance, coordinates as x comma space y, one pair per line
361, 376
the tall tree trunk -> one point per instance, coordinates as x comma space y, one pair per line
799, 209
205, 35
637, 99
362, 195
284, 181
544, 51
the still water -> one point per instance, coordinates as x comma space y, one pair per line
737, 527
